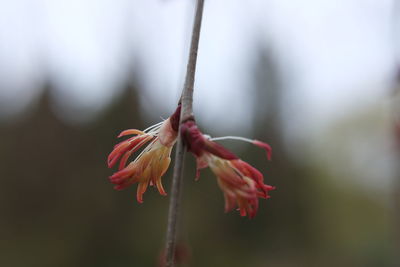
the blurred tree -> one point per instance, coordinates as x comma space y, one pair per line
289, 208
58, 209
57, 206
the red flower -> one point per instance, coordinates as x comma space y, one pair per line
151, 164
241, 183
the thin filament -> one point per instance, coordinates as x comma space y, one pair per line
147, 148
153, 126
232, 138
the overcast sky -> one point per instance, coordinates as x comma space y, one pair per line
337, 54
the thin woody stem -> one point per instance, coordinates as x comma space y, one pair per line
186, 113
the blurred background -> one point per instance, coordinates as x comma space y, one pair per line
317, 79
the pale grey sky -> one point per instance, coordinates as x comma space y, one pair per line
338, 54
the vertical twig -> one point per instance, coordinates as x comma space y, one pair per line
396, 182
396, 111
186, 112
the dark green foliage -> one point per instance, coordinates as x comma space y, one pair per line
58, 208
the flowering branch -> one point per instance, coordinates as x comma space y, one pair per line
186, 113
241, 184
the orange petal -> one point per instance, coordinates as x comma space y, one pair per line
140, 191
127, 154
129, 132
160, 187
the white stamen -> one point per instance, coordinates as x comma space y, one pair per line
139, 144
155, 131
232, 138
153, 126
147, 148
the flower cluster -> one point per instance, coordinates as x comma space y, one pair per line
151, 164
241, 184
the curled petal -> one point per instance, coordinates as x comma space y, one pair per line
142, 187
249, 171
164, 168
133, 143
130, 132
123, 174
124, 159
160, 187
127, 154
116, 154
267, 148
124, 184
